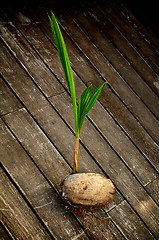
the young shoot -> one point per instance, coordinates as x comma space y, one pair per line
86, 100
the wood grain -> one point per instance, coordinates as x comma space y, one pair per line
4, 233
14, 209
132, 36
105, 41
131, 226
9, 102
125, 47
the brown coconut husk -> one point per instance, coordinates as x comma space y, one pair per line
87, 190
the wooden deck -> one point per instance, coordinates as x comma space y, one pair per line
105, 41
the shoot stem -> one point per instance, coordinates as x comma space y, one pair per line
76, 152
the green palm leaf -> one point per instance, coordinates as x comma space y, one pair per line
63, 55
94, 98
86, 102
87, 99
84, 99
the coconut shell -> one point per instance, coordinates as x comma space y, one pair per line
87, 190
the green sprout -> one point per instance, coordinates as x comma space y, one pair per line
86, 100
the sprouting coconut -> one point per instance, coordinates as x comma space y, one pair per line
86, 190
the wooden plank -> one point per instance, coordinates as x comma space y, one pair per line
16, 214
36, 143
152, 188
140, 137
148, 14
130, 34
9, 102
124, 47
34, 64
129, 224
4, 234
37, 191
143, 29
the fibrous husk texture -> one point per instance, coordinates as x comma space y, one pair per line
87, 190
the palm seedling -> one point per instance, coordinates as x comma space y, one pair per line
86, 102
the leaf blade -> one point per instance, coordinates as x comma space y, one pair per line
85, 97
65, 62
82, 104
94, 97
89, 103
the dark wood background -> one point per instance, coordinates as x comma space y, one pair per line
113, 41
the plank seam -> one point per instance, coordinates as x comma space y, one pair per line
21, 193
149, 63
7, 231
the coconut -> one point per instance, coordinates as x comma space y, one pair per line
87, 190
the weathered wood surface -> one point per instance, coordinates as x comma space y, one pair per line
120, 135
5, 235
15, 211
111, 102
9, 102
